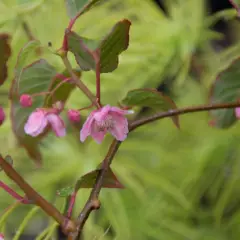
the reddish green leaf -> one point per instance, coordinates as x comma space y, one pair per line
5, 51
34, 78
76, 6
150, 98
236, 5
88, 180
226, 89
113, 44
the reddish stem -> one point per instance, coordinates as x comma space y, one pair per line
15, 195
71, 204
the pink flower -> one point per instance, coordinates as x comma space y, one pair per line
107, 119
2, 116
73, 115
1, 237
42, 118
237, 112
26, 100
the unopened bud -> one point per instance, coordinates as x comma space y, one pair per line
26, 100
73, 115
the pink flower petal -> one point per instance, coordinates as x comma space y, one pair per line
97, 135
237, 112
101, 114
36, 123
2, 116
120, 129
57, 124
86, 128
121, 111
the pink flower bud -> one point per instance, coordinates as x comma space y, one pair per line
73, 115
2, 116
1, 237
26, 100
107, 119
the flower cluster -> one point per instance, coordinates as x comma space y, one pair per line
106, 119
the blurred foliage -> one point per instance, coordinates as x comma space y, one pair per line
180, 184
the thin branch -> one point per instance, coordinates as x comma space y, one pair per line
93, 202
175, 112
78, 82
32, 195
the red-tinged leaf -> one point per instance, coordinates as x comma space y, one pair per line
236, 5
225, 89
146, 97
5, 52
34, 78
88, 180
76, 6
108, 49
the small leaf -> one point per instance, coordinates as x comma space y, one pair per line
150, 98
226, 89
236, 5
65, 192
113, 44
5, 51
76, 6
88, 180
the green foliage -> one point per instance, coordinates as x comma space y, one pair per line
178, 184
86, 50
225, 89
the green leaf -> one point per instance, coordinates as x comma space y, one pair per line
150, 98
226, 89
34, 78
88, 180
65, 192
114, 43
79, 6
5, 51
236, 5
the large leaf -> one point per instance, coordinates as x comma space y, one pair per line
236, 5
114, 43
78, 6
226, 89
88, 180
34, 78
145, 97
5, 51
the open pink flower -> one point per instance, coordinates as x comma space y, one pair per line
41, 118
2, 116
107, 119
237, 112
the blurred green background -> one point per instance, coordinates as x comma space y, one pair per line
180, 184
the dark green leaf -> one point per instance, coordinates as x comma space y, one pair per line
226, 89
88, 180
115, 42
150, 98
76, 6
65, 192
5, 51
